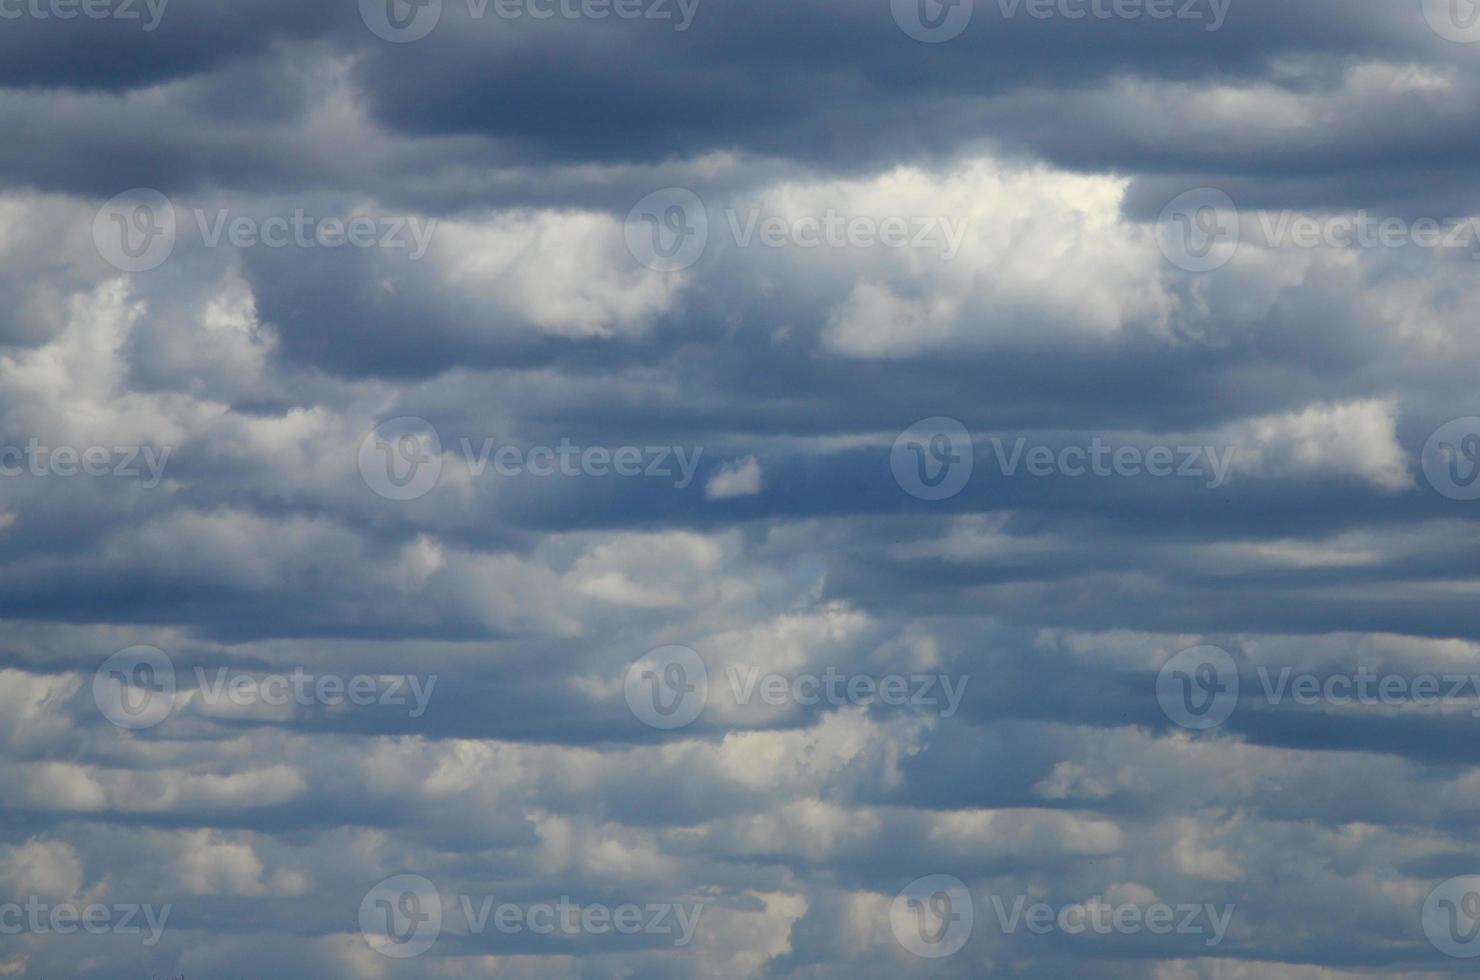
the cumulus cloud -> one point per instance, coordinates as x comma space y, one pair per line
739, 478
1357, 439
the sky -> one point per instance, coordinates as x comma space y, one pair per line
739, 488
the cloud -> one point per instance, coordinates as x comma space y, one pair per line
1357, 439
893, 232
739, 478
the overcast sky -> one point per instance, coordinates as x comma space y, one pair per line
777, 488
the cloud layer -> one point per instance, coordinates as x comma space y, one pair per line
758, 465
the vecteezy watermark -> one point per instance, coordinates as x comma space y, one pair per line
668, 230
1291, 229
402, 459
1201, 230
135, 688
404, 915
831, 228
668, 688
935, 458
1211, 14
34, 459
148, 12
937, 21
1200, 688
1451, 459
1198, 230
1102, 459
1454, 20
403, 21
933, 21
1122, 918
932, 917
137, 231
1367, 687
1451, 917
39, 917
832, 687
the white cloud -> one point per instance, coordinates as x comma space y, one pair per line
560, 272
1350, 439
736, 478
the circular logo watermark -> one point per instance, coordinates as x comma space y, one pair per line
1451, 459
933, 459
1198, 688
1198, 231
1451, 917
402, 916
135, 231
400, 21
668, 687
401, 459
668, 230
932, 917
135, 688
1454, 20
933, 21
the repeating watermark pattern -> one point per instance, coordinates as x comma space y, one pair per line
1200, 688
932, 917
402, 459
938, 21
1367, 687
1451, 917
1211, 464
1202, 229
39, 917
1292, 229
135, 688
1102, 918
1210, 14
1454, 20
401, 917
404, 21
1198, 230
669, 229
1451, 459
137, 231
144, 463
934, 460
933, 21
833, 229
404, 915
668, 688
148, 13
937, 692
298, 687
